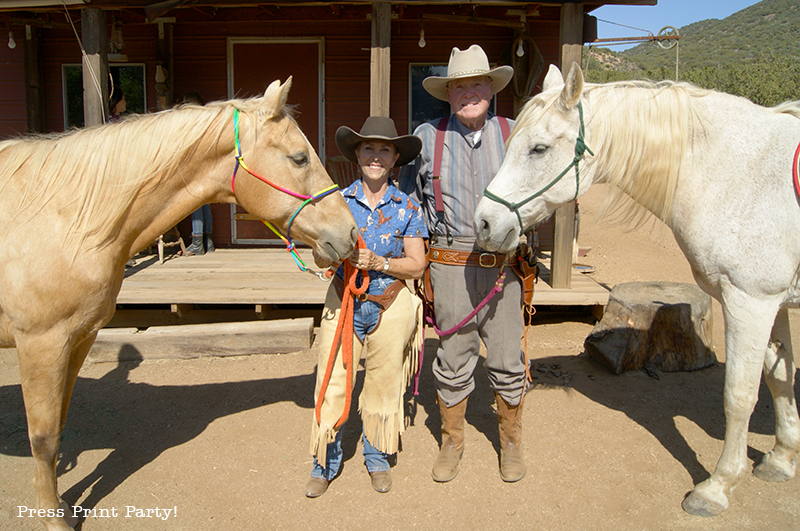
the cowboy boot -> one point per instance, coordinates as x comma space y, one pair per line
445, 467
196, 247
209, 243
512, 462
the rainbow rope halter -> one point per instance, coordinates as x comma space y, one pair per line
580, 149
306, 200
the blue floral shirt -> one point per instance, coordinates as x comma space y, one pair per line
396, 216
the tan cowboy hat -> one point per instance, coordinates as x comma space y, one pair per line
468, 63
378, 128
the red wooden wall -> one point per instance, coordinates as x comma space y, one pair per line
200, 64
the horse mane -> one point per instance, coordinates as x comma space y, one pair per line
789, 107
94, 174
638, 131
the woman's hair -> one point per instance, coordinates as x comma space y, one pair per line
194, 97
115, 97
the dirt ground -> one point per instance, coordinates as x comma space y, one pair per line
223, 443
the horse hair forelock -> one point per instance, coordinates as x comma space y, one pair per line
94, 174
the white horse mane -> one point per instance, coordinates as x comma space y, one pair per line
95, 173
639, 131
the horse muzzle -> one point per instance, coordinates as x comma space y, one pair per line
496, 227
335, 245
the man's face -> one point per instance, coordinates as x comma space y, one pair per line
469, 98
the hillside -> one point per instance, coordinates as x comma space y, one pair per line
768, 28
754, 53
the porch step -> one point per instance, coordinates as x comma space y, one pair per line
202, 340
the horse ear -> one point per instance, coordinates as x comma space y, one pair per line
553, 79
275, 98
573, 88
285, 91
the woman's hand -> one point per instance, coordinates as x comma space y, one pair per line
366, 260
412, 265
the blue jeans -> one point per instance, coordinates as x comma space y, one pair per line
366, 313
374, 459
201, 221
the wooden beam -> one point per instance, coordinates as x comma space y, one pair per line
95, 66
571, 40
181, 309
34, 91
380, 57
203, 340
481, 21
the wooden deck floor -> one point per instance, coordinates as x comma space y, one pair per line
270, 277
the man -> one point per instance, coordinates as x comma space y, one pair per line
470, 156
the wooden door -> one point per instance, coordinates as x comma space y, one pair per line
254, 63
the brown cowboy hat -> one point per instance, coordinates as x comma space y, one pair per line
468, 63
378, 128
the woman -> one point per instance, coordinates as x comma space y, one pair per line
388, 331
116, 104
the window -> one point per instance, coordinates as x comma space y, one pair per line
422, 106
128, 76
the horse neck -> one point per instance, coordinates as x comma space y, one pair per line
640, 160
200, 175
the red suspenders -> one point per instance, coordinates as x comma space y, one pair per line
441, 129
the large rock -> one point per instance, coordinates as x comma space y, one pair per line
662, 325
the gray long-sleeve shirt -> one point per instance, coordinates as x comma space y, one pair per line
470, 160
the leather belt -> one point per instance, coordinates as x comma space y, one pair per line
471, 258
384, 300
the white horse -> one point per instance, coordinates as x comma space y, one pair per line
718, 170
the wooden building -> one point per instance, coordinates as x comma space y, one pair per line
348, 60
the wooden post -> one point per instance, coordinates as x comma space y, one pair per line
95, 66
34, 92
571, 38
379, 67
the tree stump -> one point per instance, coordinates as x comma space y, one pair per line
661, 325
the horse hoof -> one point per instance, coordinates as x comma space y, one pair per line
770, 469
696, 505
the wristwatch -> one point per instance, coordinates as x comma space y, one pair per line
385, 264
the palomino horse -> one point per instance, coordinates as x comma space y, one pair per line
75, 207
718, 170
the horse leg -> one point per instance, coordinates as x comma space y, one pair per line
778, 465
746, 327
48, 370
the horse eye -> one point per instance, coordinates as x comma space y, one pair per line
301, 159
538, 149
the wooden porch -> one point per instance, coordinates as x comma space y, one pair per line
236, 302
266, 283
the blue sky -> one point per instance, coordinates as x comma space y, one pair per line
675, 13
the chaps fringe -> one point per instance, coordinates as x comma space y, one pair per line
321, 437
383, 430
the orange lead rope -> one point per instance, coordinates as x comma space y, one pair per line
344, 334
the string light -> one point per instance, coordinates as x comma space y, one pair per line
520, 49
11, 42
421, 42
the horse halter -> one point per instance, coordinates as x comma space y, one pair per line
306, 200
580, 149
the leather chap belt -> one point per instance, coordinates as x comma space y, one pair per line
470, 258
384, 300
